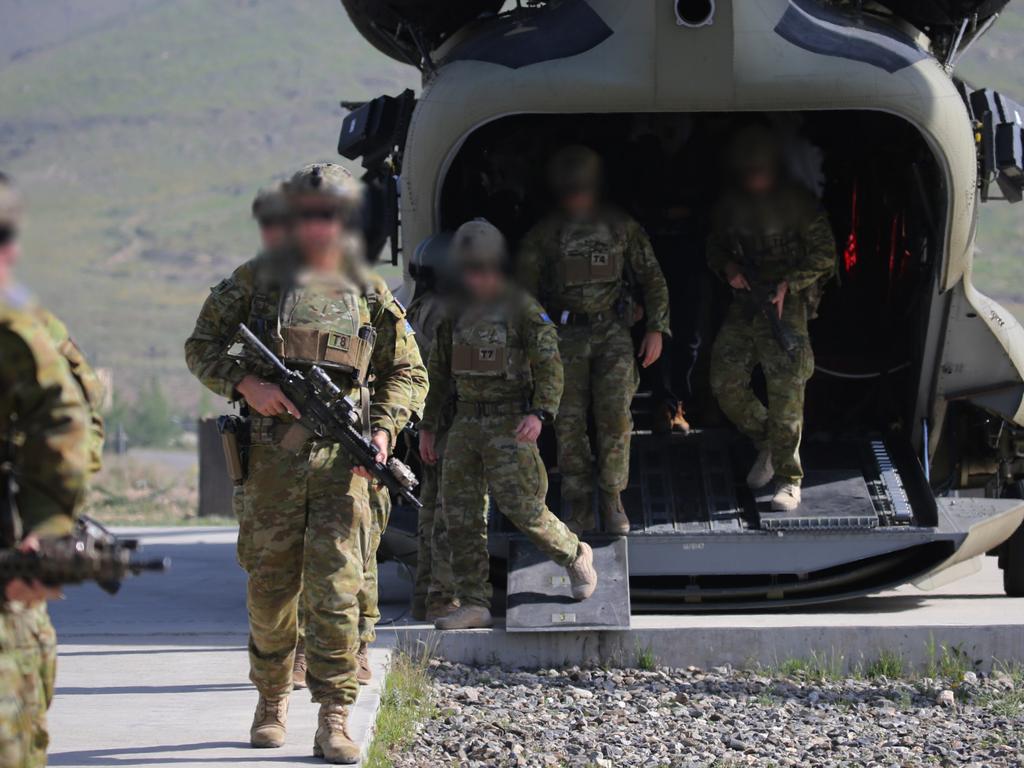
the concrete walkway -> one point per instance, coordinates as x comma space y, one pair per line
156, 676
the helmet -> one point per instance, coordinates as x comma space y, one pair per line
575, 169
330, 181
270, 202
431, 257
10, 203
755, 149
478, 243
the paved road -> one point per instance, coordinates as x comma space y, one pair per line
156, 676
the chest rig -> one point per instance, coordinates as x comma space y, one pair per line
591, 253
486, 345
769, 233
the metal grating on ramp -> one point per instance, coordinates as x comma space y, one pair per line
540, 599
830, 499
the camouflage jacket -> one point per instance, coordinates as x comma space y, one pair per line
88, 382
396, 367
44, 422
786, 235
425, 314
585, 268
518, 345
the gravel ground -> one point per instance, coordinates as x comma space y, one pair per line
688, 717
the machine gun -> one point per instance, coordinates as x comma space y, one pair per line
760, 299
328, 414
91, 553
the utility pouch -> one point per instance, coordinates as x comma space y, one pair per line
234, 437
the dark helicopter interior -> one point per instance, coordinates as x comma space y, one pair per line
885, 198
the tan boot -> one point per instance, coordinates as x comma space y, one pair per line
332, 741
762, 472
466, 617
269, 723
786, 498
582, 575
299, 665
678, 421
363, 672
440, 608
613, 515
581, 514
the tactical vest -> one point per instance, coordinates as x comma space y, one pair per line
590, 253
486, 345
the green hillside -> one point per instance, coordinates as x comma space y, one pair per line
140, 138
141, 128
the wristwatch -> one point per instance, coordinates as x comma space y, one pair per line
544, 416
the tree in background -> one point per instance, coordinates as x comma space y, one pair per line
148, 422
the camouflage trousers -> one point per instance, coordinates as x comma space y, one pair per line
369, 606
743, 343
600, 373
305, 527
483, 455
28, 666
433, 557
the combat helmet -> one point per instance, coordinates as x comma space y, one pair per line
478, 244
10, 203
331, 182
270, 203
575, 168
755, 149
429, 261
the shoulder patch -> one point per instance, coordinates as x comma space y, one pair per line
409, 329
544, 317
222, 286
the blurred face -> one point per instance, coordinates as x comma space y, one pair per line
579, 203
483, 283
10, 251
760, 181
317, 230
273, 232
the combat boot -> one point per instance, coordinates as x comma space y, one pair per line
466, 617
670, 418
363, 673
418, 609
581, 514
299, 665
438, 609
786, 498
332, 741
582, 575
762, 472
613, 515
268, 725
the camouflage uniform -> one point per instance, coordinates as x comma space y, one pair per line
51, 461
500, 361
434, 582
579, 271
306, 522
787, 235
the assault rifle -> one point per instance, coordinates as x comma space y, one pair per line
91, 553
760, 298
329, 414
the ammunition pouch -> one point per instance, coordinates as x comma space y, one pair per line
235, 439
470, 360
330, 349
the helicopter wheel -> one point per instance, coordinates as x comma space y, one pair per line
1012, 556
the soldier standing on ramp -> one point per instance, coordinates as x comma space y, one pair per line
583, 263
47, 449
498, 358
306, 517
772, 235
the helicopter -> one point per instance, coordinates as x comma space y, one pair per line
914, 439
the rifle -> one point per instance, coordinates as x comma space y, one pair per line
91, 553
760, 297
329, 414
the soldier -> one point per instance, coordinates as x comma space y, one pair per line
497, 358
306, 518
44, 459
583, 263
768, 229
433, 595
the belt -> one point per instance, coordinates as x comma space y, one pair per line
506, 408
565, 317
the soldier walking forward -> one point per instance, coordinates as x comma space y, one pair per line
498, 358
772, 237
47, 448
584, 263
306, 518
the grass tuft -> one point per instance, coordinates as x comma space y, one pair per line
645, 658
889, 664
406, 702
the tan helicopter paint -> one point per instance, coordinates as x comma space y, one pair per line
737, 63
